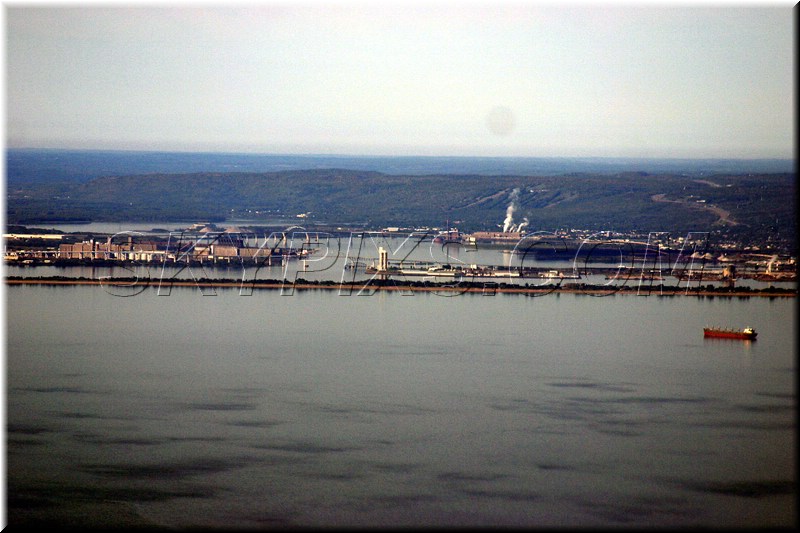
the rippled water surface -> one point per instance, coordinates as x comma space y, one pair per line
398, 410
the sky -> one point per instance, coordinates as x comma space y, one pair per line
587, 79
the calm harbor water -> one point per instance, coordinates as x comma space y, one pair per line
400, 410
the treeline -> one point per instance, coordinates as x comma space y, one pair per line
760, 208
301, 283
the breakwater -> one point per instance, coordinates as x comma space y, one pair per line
400, 285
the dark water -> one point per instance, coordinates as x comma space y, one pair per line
392, 410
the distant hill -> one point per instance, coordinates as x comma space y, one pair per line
753, 207
29, 166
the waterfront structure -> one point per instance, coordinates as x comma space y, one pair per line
161, 252
33, 236
497, 236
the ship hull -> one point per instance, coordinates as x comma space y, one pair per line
727, 334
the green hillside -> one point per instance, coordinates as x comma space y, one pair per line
750, 207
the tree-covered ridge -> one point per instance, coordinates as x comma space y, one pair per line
750, 206
27, 166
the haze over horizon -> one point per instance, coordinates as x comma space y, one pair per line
479, 79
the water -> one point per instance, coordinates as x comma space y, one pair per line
390, 410
114, 228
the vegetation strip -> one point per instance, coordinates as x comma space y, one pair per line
467, 287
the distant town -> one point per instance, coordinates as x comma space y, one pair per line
215, 245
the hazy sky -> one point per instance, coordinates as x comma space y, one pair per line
410, 78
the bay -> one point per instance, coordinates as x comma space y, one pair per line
399, 409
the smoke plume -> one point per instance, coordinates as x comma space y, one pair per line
508, 223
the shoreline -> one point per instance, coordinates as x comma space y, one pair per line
355, 287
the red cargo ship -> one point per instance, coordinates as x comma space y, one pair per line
744, 334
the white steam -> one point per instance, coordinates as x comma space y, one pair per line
508, 223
